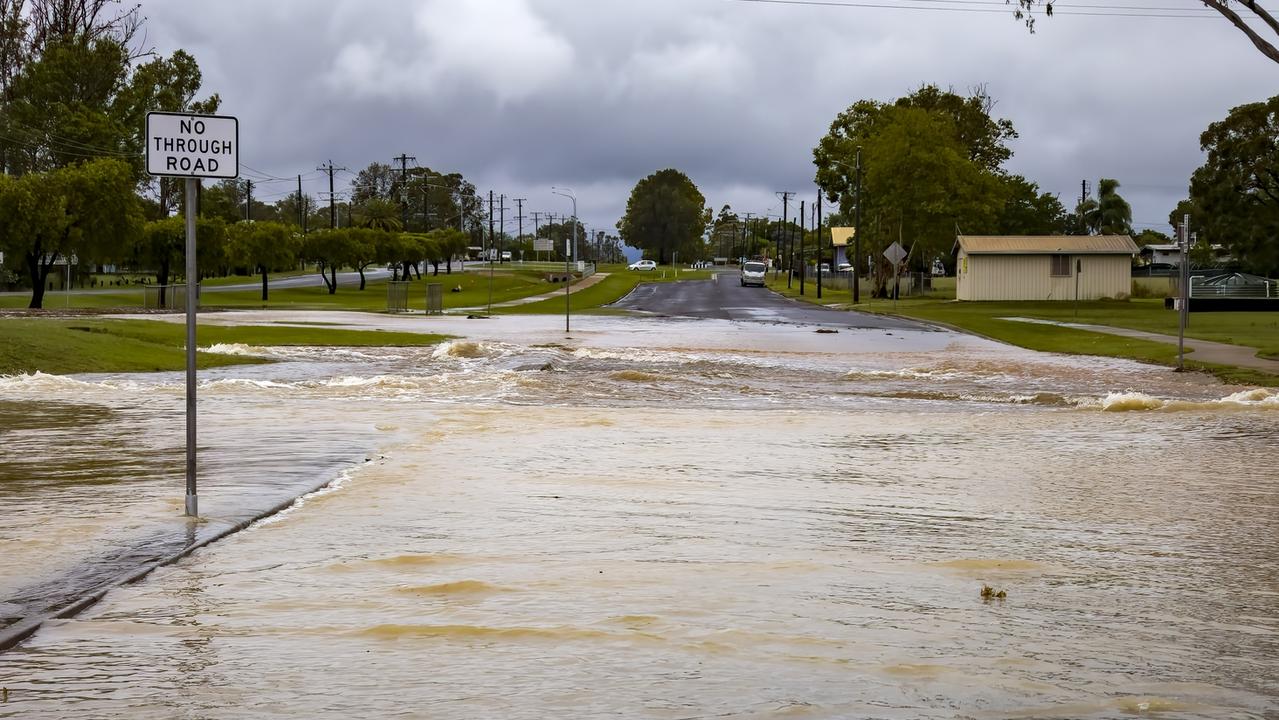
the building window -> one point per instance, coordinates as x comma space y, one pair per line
1061, 266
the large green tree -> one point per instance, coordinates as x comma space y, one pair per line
1027, 211
264, 247
665, 214
160, 246
922, 178
88, 211
983, 139
1236, 190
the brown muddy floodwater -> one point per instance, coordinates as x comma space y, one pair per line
652, 519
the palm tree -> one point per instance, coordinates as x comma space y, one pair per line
378, 214
1109, 214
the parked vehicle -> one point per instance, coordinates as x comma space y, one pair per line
642, 265
844, 267
506, 256
753, 273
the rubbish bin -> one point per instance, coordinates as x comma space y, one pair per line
434, 299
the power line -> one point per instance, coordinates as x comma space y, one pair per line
892, 6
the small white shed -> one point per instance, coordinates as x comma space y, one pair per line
1044, 267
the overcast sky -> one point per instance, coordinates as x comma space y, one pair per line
521, 95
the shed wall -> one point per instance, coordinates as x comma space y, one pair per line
1027, 277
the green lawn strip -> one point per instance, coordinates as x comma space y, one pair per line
76, 346
986, 319
609, 290
57, 300
507, 285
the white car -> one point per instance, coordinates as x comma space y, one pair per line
642, 265
753, 273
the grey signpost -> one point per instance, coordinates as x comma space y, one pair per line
192, 147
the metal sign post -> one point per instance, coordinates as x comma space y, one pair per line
192, 147
1184, 272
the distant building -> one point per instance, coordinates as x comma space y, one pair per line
1045, 267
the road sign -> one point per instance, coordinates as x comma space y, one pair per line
193, 146
543, 244
895, 253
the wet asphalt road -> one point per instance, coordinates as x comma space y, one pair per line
724, 298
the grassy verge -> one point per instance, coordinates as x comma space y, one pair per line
609, 290
77, 346
1255, 330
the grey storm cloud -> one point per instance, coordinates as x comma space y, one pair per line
521, 95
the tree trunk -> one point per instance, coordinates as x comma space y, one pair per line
448, 265
39, 275
333, 284
162, 279
325, 277
436, 264
263, 283
360, 269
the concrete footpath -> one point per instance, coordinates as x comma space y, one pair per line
1203, 350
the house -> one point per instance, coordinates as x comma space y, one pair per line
1044, 267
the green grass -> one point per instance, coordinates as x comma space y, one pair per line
609, 290
1260, 330
1255, 330
60, 346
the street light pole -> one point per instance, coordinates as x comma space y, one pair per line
568, 272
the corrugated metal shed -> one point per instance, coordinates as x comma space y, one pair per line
1047, 244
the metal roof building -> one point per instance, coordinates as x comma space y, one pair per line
1044, 267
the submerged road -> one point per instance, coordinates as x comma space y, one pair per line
724, 298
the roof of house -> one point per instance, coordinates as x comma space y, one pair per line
1047, 244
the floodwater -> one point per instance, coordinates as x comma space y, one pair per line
654, 519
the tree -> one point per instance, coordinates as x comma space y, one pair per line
984, 140
168, 85
1235, 192
375, 182
1108, 214
379, 214
1257, 28
264, 247
665, 214
449, 243
89, 211
920, 179
328, 249
1027, 211
161, 246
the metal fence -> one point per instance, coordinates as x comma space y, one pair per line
397, 296
167, 297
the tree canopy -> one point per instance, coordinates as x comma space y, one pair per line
89, 211
1237, 189
665, 214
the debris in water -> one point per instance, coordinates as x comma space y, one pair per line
827, 331
989, 593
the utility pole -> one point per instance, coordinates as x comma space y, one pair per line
780, 251
333, 211
857, 230
519, 204
1184, 271
248, 199
301, 206
403, 160
1083, 191
820, 245
803, 264
490, 253
745, 245
501, 204
536, 217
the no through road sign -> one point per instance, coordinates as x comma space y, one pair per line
193, 146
